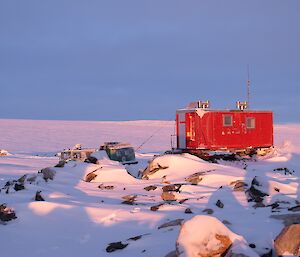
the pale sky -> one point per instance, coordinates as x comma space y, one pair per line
125, 60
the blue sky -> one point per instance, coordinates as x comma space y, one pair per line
124, 60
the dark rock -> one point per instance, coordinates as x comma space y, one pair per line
156, 207
22, 179
168, 196
171, 223
129, 199
195, 179
152, 168
259, 205
208, 211
183, 200
273, 205
103, 187
172, 187
294, 208
135, 238
149, 188
90, 177
60, 164
287, 219
6, 214
92, 159
239, 185
188, 210
255, 182
288, 241
48, 173
38, 196
255, 194
8, 184
115, 246
220, 204
286, 171
32, 179
19, 187
276, 189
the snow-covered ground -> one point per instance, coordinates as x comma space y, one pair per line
80, 218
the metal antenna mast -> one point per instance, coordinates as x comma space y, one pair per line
248, 86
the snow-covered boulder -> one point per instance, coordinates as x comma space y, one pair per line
206, 236
174, 167
48, 173
288, 241
258, 190
112, 172
4, 152
6, 214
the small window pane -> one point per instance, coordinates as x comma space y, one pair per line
250, 122
227, 120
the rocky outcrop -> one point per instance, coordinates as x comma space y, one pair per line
90, 177
168, 196
38, 196
171, 223
206, 236
208, 211
150, 188
287, 219
256, 191
156, 207
106, 187
288, 241
188, 211
4, 152
194, 179
172, 187
285, 170
152, 167
48, 173
239, 185
6, 214
129, 199
115, 246
60, 164
220, 204
197, 177
294, 208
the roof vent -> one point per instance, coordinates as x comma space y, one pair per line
203, 104
241, 105
199, 104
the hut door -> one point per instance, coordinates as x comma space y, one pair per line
182, 130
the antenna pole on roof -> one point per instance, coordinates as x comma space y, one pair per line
248, 86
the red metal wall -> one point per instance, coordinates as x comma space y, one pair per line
209, 132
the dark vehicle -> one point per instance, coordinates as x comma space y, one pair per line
121, 152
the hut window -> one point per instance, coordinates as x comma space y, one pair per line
227, 120
250, 123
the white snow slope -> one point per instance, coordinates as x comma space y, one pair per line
78, 218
